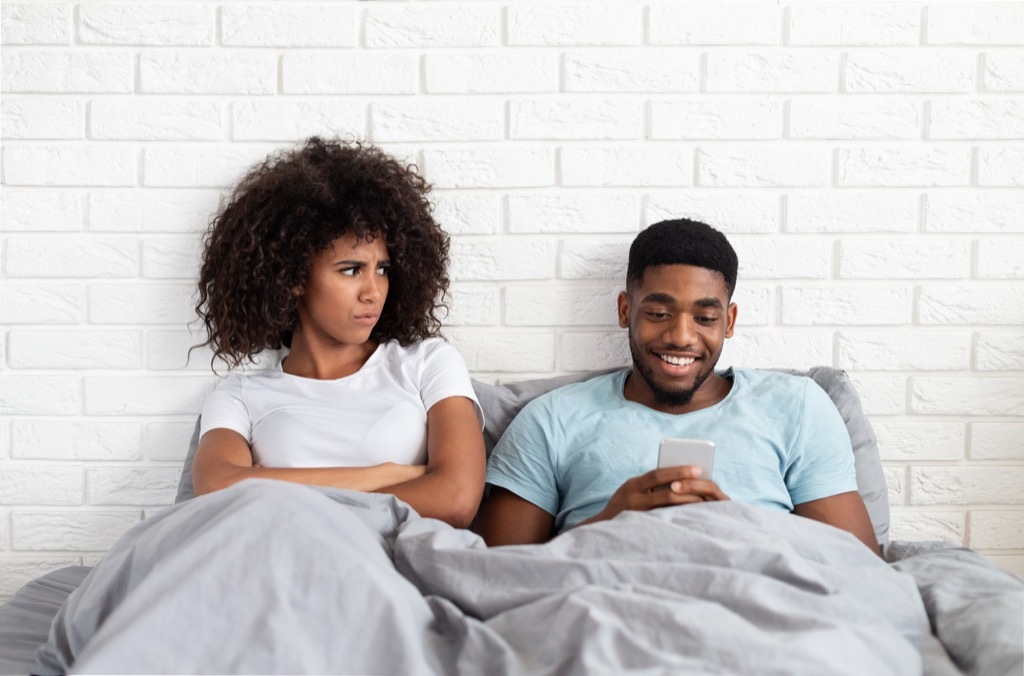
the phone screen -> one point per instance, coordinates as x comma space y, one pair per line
699, 452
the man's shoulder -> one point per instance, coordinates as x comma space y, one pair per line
568, 399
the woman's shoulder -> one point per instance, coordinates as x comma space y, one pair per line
421, 351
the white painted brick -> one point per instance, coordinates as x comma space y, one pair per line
75, 440
42, 118
619, 71
491, 72
349, 72
903, 351
592, 350
467, 213
999, 119
148, 23
971, 304
904, 258
69, 531
920, 441
561, 306
41, 485
595, 259
896, 482
168, 440
885, 395
473, 306
1002, 351
764, 166
169, 351
756, 306
754, 211
772, 71
974, 395
1001, 258
145, 395
976, 23
157, 119
966, 485
447, 119
81, 256
199, 166
1004, 71
171, 258
293, 24
574, 24
854, 24
996, 529
69, 165
925, 526
575, 119
997, 440
38, 395
648, 165
846, 306
714, 23
500, 167
904, 166
574, 212
41, 303
1001, 166
909, 71
46, 210
777, 350
882, 211
18, 570
774, 258
26, 23
854, 118
141, 303
132, 485
718, 118
74, 349
506, 351
502, 260
975, 211
147, 210
63, 71
213, 72
274, 120
463, 24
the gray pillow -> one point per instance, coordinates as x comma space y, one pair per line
501, 403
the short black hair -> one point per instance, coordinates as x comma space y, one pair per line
682, 242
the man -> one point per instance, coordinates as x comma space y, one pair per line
585, 452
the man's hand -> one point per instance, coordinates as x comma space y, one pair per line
660, 488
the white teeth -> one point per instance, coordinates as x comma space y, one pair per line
677, 361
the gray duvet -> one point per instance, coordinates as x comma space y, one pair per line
269, 577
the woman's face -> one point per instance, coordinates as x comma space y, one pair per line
345, 291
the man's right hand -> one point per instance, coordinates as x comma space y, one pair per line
660, 488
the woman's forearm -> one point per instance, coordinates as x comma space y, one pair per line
365, 479
451, 494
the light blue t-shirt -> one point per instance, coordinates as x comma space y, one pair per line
779, 442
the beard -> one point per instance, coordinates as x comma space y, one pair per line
666, 397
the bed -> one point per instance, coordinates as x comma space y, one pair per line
286, 579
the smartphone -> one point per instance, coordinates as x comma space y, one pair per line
675, 452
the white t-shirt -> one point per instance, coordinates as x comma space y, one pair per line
377, 414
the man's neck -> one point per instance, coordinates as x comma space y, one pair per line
713, 390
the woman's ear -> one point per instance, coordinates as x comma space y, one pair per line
298, 291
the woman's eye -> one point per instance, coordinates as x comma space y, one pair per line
382, 270
351, 272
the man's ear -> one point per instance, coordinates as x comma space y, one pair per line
730, 318
623, 303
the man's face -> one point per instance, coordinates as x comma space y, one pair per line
678, 318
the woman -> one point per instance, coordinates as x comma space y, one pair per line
331, 251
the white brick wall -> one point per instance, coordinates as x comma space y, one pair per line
867, 160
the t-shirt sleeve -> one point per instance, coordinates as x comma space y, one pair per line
225, 407
445, 375
521, 461
822, 462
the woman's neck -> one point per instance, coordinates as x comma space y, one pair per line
325, 362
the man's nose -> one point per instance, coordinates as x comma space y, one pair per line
681, 331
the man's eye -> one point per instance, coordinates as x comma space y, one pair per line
657, 315
707, 320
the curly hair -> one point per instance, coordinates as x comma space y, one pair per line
291, 207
